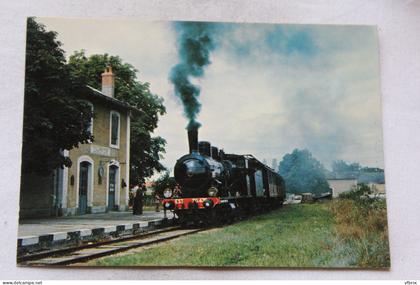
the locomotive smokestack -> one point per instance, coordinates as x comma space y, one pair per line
193, 139
193, 135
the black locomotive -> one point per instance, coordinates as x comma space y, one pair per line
216, 186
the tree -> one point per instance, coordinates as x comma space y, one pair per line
163, 182
54, 120
359, 193
303, 173
146, 151
340, 166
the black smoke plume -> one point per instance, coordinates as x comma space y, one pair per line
195, 44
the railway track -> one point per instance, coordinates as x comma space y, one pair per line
87, 252
83, 253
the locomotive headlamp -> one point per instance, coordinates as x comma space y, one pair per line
169, 205
208, 203
212, 191
167, 193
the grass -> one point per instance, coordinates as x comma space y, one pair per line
362, 231
302, 235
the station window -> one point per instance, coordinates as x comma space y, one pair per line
114, 129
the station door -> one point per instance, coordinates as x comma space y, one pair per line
83, 186
112, 187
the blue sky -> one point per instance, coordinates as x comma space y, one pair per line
269, 88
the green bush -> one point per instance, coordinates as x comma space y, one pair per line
361, 226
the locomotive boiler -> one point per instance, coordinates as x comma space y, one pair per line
216, 186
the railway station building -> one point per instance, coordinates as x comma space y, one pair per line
98, 179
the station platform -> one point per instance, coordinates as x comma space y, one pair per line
36, 234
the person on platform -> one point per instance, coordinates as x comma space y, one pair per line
131, 195
138, 200
157, 201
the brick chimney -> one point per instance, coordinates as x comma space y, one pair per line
108, 82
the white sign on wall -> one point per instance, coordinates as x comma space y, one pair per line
100, 150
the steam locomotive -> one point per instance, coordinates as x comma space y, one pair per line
218, 187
